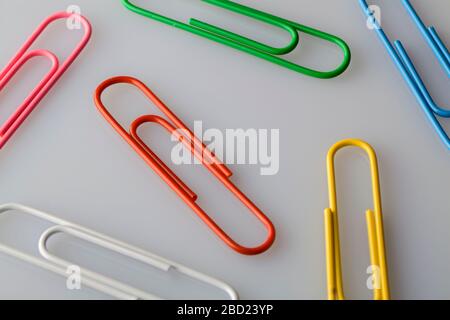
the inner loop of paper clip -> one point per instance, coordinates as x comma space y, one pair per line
96, 240
196, 24
172, 130
109, 284
107, 244
361, 145
13, 71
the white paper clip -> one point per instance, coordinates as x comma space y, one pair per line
94, 280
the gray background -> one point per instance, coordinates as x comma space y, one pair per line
67, 160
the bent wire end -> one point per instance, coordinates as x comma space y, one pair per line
250, 46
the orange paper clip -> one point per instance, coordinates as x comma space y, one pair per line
177, 128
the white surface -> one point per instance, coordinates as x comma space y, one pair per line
67, 160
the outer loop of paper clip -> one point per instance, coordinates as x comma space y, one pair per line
199, 27
10, 125
96, 240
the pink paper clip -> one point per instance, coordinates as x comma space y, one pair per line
55, 72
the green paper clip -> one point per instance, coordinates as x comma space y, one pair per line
252, 47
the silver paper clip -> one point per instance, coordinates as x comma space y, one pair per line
92, 279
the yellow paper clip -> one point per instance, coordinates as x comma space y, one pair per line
374, 226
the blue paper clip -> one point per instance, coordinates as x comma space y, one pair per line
407, 69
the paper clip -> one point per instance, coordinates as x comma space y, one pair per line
52, 76
374, 227
405, 65
92, 279
252, 47
179, 130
